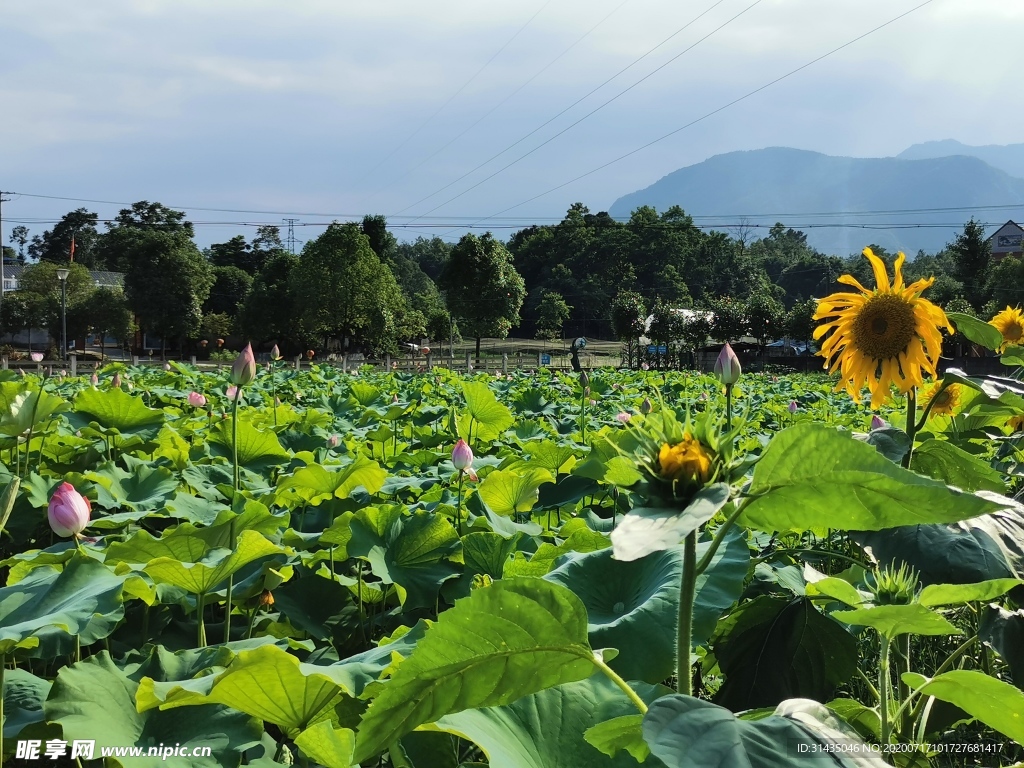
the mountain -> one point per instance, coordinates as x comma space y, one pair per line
1008, 157
826, 196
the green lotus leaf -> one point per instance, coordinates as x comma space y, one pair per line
508, 491
690, 733
28, 410
489, 417
315, 483
199, 577
83, 599
257, 448
95, 700
115, 409
329, 746
145, 488
650, 529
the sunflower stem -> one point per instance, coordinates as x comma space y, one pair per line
625, 687
911, 424
687, 587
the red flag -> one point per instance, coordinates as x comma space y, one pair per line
72, 248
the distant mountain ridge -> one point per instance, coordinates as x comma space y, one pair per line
789, 185
1005, 157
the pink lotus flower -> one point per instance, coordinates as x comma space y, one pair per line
116, 381
94, 379
462, 459
877, 422
623, 417
232, 393
63, 373
645, 367
244, 369
37, 357
68, 512
196, 400
727, 366
333, 441
793, 407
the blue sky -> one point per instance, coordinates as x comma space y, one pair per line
345, 108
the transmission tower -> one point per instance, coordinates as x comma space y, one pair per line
289, 240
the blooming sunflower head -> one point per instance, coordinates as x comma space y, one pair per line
943, 401
880, 337
688, 461
1016, 424
1010, 323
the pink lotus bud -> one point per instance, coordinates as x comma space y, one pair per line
94, 379
243, 371
793, 407
462, 456
394, 398
727, 366
232, 393
645, 367
877, 422
593, 403
116, 381
21, 372
167, 366
196, 400
584, 379
37, 357
63, 373
623, 417
277, 401
333, 441
703, 395
646, 406
69, 511
309, 354
275, 353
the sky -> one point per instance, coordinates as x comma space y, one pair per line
445, 113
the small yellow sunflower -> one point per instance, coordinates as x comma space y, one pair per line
944, 402
686, 462
1016, 423
882, 337
1010, 323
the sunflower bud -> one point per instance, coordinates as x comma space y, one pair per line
727, 366
687, 462
892, 586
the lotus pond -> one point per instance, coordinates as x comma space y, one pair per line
626, 571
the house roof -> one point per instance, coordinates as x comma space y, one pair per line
1010, 223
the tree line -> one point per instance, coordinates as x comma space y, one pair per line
356, 287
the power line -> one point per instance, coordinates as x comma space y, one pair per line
452, 219
595, 110
453, 96
555, 117
713, 112
497, 106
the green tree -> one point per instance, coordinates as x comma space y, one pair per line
230, 287
800, 322
766, 317
106, 313
482, 287
269, 311
381, 241
552, 312
431, 255
167, 281
972, 253
42, 288
342, 290
19, 236
730, 320
128, 232
694, 331
54, 245
1006, 282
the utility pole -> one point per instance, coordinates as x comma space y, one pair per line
3, 272
289, 240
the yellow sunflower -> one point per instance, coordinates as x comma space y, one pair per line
1016, 423
944, 402
687, 461
1010, 323
882, 337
